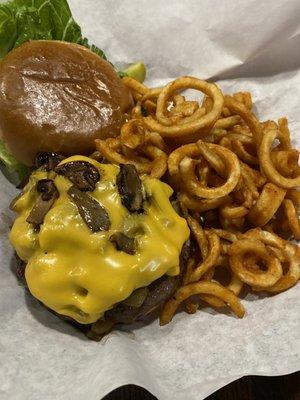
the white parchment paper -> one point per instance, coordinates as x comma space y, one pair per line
244, 45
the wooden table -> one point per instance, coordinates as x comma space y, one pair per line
247, 388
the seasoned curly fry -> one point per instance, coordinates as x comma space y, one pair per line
291, 277
292, 218
156, 140
137, 89
235, 285
189, 306
228, 122
201, 205
132, 134
200, 236
285, 161
238, 146
210, 260
232, 211
208, 153
249, 118
152, 160
210, 252
111, 149
151, 94
285, 139
177, 156
294, 195
289, 253
159, 163
192, 126
267, 238
232, 225
238, 261
232, 170
255, 175
248, 182
265, 159
267, 204
200, 288
244, 98
229, 236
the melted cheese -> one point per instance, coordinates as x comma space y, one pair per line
81, 274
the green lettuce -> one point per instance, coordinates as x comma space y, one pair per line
13, 170
23, 20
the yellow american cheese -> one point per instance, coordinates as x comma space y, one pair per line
81, 274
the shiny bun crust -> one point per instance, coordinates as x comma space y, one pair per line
58, 96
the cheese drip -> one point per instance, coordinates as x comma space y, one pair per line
81, 274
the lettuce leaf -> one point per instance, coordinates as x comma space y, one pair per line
23, 20
14, 170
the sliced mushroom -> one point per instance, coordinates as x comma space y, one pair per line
137, 298
99, 329
130, 187
159, 292
124, 243
99, 157
48, 160
47, 189
48, 195
82, 174
93, 214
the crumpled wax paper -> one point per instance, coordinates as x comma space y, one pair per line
253, 46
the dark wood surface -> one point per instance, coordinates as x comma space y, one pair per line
248, 388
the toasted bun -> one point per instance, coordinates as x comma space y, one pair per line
58, 96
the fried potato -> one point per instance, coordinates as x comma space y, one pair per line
203, 287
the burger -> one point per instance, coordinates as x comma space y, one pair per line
96, 243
